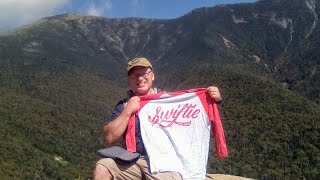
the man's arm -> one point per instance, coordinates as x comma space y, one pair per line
114, 130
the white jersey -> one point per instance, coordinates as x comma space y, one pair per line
175, 128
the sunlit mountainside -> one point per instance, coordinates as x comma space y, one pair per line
61, 77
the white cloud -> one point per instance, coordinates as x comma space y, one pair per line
100, 8
94, 11
14, 13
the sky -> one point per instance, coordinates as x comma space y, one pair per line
15, 13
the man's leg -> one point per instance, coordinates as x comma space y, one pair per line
107, 168
101, 173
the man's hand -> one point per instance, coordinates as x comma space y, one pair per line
214, 93
132, 105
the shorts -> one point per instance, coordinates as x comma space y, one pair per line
137, 170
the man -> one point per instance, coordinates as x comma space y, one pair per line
140, 78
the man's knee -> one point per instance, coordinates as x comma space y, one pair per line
101, 173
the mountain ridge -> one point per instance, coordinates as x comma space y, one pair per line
61, 76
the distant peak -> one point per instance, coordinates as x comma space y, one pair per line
71, 15
66, 16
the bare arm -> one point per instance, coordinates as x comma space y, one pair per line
114, 130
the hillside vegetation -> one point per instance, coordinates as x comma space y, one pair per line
61, 77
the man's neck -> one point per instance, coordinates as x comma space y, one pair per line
151, 91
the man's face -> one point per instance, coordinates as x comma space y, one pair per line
141, 80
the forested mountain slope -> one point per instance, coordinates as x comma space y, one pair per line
61, 76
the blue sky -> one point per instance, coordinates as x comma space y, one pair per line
14, 13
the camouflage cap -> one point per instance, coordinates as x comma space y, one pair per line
138, 62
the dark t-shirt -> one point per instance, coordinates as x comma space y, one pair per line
139, 143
